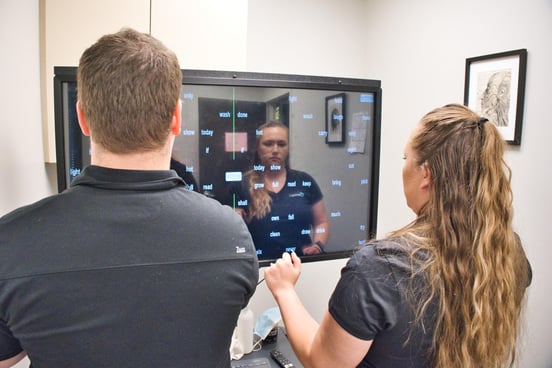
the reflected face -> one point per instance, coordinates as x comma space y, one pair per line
415, 178
273, 147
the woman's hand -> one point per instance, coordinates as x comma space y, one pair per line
241, 212
327, 345
283, 274
312, 249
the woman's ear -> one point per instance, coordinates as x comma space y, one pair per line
82, 120
426, 176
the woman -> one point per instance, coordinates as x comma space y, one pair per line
283, 208
446, 290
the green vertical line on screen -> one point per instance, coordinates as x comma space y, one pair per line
233, 123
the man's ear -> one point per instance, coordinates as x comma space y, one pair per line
176, 122
82, 120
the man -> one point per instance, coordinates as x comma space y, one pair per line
127, 268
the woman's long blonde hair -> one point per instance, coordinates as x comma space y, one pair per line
476, 269
261, 202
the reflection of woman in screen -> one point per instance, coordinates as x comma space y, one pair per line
283, 208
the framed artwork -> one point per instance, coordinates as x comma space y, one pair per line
494, 87
335, 118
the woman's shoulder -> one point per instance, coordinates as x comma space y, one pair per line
383, 247
292, 173
383, 253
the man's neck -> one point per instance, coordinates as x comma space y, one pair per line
150, 160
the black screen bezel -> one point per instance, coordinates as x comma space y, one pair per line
67, 74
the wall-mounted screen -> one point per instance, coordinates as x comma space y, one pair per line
332, 128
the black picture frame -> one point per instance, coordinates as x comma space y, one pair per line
335, 119
494, 87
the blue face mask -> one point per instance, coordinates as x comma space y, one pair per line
266, 322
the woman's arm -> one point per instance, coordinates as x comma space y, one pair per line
321, 223
327, 345
12, 361
320, 229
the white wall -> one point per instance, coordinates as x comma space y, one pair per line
417, 50
419, 53
24, 177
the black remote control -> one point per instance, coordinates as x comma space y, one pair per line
281, 359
